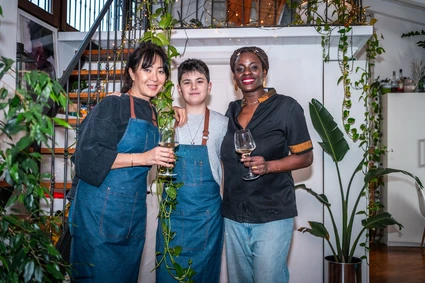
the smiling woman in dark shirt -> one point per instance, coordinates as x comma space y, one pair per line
259, 214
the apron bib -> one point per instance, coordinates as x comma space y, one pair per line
197, 219
108, 223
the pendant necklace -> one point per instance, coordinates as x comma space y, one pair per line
197, 130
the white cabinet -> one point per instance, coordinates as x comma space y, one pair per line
404, 135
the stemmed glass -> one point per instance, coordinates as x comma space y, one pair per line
168, 137
245, 144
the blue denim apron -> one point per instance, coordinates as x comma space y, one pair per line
197, 219
108, 223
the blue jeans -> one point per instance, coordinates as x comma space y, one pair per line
258, 252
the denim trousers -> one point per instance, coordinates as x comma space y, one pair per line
258, 252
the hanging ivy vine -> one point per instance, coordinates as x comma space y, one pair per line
368, 133
161, 24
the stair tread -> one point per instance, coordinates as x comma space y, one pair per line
58, 150
105, 53
85, 95
84, 74
46, 184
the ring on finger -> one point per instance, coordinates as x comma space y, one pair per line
254, 167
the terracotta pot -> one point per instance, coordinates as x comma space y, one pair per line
343, 272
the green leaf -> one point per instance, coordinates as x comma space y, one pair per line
52, 250
38, 274
177, 250
29, 270
380, 221
178, 268
165, 21
317, 229
171, 192
163, 39
378, 172
54, 270
333, 142
17, 241
322, 198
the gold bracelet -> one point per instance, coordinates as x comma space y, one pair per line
131, 155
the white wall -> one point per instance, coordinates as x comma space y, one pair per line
394, 20
8, 27
400, 192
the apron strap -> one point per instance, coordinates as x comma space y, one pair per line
153, 116
133, 114
205, 133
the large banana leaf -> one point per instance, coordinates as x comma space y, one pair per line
333, 141
317, 229
380, 221
378, 172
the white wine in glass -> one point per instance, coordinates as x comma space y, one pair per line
245, 144
169, 138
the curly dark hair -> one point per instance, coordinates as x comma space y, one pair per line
256, 50
143, 57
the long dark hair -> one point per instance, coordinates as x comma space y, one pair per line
143, 57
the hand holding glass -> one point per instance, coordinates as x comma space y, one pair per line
245, 144
168, 137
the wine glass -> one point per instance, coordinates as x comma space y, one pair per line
245, 144
168, 137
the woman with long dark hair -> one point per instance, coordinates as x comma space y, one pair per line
117, 145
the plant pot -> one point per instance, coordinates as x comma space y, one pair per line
343, 272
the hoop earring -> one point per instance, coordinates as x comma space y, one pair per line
236, 87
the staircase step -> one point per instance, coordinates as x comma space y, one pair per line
58, 150
46, 184
110, 54
72, 121
58, 185
84, 95
103, 74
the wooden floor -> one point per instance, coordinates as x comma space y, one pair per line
396, 265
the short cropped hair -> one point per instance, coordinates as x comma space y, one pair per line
192, 65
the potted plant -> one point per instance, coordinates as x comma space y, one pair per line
27, 253
341, 237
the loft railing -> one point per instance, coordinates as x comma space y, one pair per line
81, 14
